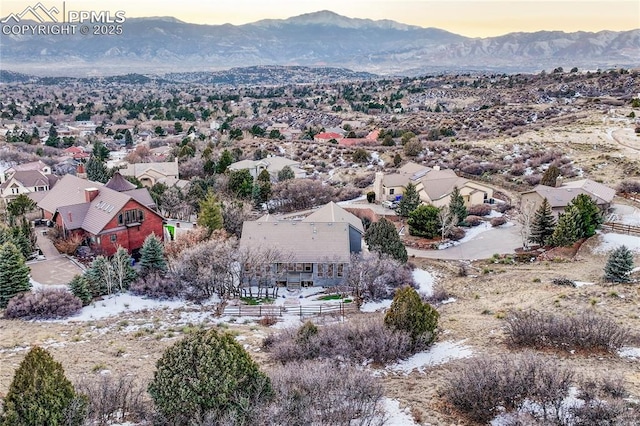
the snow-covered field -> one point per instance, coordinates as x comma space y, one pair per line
438, 354
425, 281
611, 241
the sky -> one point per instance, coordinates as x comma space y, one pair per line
472, 18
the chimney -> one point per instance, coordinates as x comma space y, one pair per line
81, 172
90, 194
559, 181
70, 217
436, 167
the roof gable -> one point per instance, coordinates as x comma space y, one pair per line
333, 213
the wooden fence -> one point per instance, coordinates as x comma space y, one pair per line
302, 310
621, 228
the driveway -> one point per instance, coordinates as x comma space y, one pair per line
56, 269
501, 240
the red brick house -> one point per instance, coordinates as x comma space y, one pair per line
105, 216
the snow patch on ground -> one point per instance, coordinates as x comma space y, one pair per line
375, 306
582, 283
438, 354
395, 415
425, 281
121, 303
629, 352
611, 241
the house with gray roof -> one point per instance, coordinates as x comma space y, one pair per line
563, 193
103, 216
26, 182
151, 173
272, 164
314, 251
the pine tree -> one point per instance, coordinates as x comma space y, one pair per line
97, 171
425, 222
543, 224
567, 231
40, 394
208, 376
383, 237
210, 215
225, 161
410, 200
286, 174
79, 287
152, 256
262, 189
100, 277
14, 273
619, 265
590, 215
408, 313
457, 207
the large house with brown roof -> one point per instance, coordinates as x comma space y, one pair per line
105, 216
561, 195
434, 185
272, 164
151, 173
315, 251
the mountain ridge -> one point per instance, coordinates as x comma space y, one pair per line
165, 44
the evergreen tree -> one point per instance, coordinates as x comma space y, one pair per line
409, 202
152, 256
207, 377
383, 237
224, 161
286, 174
40, 394
240, 183
619, 265
210, 215
262, 188
14, 273
543, 224
456, 206
53, 138
97, 171
590, 215
550, 176
79, 287
100, 277
408, 313
100, 152
567, 231
425, 222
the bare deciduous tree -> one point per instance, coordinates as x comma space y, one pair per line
525, 218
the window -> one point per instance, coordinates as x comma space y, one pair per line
306, 284
340, 270
321, 268
130, 216
113, 238
330, 270
308, 267
392, 191
15, 190
299, 267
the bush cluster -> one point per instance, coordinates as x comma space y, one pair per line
358, 341
497, 221
479, 210
156, 286
585, 332
114, 400
43, 304
473, 220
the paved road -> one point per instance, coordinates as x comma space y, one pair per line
502, 240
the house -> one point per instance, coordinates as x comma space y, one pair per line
34, 165
272, 164
151, 173
314, 251
26, 182
77, 153
104, 216
434, 185
327, 136
561, 195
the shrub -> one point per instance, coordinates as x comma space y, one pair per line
503, 207
43, 304
484, 387
472, 220
586, 332
41, 394
114, 400
456, 233
479, 210
563, 282
208, 378
79, 287
498, 221
355, 341
302, 395
410, 314
157, 286
629, 187
371, 196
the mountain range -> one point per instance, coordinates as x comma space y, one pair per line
160, 45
